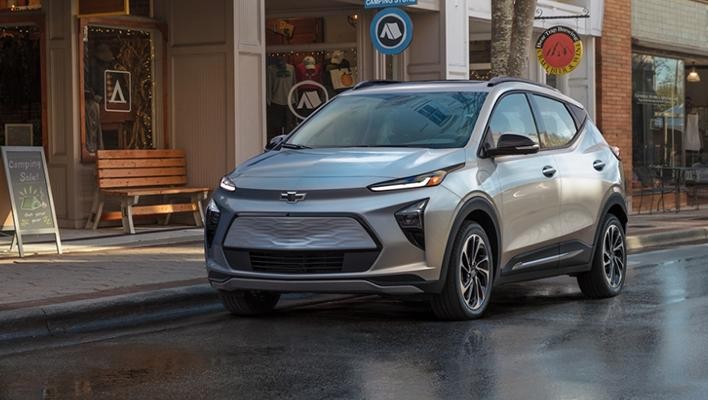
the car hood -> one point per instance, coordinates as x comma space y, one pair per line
360, 166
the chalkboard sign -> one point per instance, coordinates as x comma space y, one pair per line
30, 193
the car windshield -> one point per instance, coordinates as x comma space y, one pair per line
427, 120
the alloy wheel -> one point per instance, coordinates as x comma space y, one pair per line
474, 272
613, 256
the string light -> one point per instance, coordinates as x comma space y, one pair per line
313, 53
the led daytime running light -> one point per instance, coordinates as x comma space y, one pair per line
227, 184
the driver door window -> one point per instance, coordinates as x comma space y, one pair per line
512, 114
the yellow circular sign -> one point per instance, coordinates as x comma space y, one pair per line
559, 50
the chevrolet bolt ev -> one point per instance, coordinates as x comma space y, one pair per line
442, 189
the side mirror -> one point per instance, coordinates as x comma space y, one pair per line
275, 142
511, 144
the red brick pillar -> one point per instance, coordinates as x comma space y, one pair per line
614, 79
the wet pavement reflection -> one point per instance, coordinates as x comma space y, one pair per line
539, 340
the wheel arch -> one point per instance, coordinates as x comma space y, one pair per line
616, 205
480, 210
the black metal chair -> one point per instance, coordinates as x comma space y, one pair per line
651, 183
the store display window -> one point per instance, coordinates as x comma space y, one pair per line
118, 82
20, 86
20, 5
658, 111
310, 60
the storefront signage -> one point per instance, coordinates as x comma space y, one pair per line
559, 50
391, 31
117, 91
388, 3
103, 7
29, 193
305, 97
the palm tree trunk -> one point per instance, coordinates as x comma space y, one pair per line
522, 29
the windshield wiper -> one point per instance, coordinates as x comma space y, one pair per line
295, 146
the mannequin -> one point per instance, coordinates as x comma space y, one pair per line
280, 78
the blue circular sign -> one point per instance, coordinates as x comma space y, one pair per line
391, 31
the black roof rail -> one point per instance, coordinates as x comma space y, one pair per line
504, 79
365, 84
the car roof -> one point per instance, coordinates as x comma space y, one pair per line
501, 84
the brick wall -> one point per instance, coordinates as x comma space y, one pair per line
675, 23
614, 79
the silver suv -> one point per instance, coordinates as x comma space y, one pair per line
444, 189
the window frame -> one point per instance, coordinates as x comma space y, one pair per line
537, 112
525, 93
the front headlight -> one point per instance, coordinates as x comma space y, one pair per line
423, 180
227, 184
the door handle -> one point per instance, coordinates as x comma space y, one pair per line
598, 165
549, 171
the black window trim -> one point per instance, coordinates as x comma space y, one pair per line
525, 93
578, 127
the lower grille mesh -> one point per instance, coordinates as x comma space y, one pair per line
297, 262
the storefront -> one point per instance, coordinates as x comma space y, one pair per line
219, 78
670, 114
216, 78
584, 17
318, 49
670, 97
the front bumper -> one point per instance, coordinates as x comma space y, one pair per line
317, 285
394, 266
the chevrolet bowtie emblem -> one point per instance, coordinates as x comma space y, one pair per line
292, 197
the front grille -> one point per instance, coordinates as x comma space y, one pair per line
306, 262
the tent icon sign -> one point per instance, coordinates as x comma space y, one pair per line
391, 31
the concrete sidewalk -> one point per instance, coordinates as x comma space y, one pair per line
659, 230
108, 282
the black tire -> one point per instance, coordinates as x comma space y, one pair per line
609, 270
249, 302
453, 303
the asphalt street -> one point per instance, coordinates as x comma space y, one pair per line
539, 340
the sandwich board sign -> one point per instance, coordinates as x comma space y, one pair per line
30, 194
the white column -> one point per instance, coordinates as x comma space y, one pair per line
455, 23
440, 47
249, 78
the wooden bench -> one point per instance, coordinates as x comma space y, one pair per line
133, 174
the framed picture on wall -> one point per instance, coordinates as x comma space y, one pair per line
19, 134
294, 31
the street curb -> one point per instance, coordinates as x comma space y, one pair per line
651, 240
122, 311
127, 311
